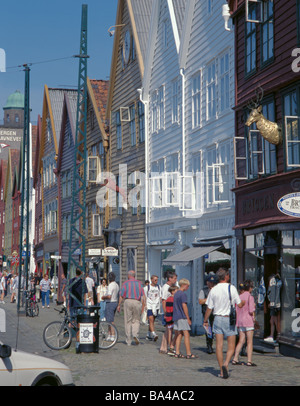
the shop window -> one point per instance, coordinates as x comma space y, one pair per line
291, 129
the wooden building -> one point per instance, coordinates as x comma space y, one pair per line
50, 136
267, 174
126, 228
37, 184
98, 164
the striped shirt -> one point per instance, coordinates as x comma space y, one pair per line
132, 289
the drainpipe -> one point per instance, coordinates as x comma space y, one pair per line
146, 105
183, 126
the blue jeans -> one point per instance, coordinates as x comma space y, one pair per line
102, 309
45, 295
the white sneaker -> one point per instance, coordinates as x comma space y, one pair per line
269, 340
154, 336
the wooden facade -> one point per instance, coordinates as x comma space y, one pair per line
127, 223
98, 164
266, 37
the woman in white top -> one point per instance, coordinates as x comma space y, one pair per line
102, 291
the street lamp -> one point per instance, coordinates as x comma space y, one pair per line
111, 31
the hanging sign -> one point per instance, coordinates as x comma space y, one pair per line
110, 252
290, 204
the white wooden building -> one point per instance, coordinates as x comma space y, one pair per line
188, 92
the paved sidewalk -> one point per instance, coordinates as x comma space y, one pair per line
142, 365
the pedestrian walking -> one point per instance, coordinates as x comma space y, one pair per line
111, 304
132, 293
77, 293
211, 281
182, 321
153, 299
45, 291
90, 284
168, 340
2, 287
102, 291
219, 302
168, 317
245, 324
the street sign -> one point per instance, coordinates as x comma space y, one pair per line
95, 252
110, 252
55, 257
24, 254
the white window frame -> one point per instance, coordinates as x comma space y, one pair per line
161, 108
97, 169
156, 183
217, 184
196, 99
175, 104
258, 3
287, 143
97, 225
224, 82
154, 109
211, 91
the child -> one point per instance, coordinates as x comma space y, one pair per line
182, 321
169, 323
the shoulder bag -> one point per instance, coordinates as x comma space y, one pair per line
232, 315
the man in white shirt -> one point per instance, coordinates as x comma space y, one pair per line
218, 301
153, 298
111, 299
90, 284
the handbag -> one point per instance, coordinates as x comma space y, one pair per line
232, 315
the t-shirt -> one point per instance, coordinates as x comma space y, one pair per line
165, 292
89, 283
153, 294
218, 299
113, 291
45, 285
169, 310
179, 298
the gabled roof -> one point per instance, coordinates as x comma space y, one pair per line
12, 164
69, 110
177, 14
140, 18
98, 93
52, 107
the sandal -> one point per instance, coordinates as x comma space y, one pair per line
179, 356
225, 372
250, 364
237, 362
192, 356
163, 352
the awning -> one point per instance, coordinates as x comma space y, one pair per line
184, 257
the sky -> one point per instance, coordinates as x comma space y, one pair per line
34, 31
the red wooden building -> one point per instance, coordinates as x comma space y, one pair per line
267, 37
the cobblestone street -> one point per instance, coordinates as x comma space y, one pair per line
142, 365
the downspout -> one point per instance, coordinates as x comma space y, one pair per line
146, 104
183, 127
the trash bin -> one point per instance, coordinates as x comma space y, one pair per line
88, 330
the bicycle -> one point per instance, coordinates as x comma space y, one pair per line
58, 335
31, 306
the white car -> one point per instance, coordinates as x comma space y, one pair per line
19, 368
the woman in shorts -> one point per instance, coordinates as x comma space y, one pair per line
245, 324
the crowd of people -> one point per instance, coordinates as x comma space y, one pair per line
143, 302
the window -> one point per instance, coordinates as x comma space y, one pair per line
250, 46
224, 83
217, 174
97, 229
211, 91
291, 128
119, 130
172, 179
196, 99
253, 154
157, 173
141, 113
267, 30
119, 196
101, 156
132, 126
93, 168
131, 259
161, 108
175, 104
154, 111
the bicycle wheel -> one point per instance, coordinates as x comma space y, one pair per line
57, 335
108, 335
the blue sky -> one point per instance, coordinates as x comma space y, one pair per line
38, 30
